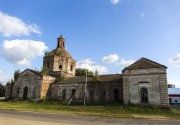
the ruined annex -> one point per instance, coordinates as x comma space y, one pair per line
143, 82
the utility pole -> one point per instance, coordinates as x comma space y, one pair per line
85, 91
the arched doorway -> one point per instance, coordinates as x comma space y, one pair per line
25, 94
144, 95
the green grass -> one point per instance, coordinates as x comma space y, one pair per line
102, 110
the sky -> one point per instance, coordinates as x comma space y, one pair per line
106, 35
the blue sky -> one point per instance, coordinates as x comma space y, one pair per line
100, 34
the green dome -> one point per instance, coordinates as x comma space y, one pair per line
59, 52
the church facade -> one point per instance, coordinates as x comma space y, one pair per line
143, 82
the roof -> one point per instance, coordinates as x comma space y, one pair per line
59, 52
34, 71
144, 63
82, 79
173, 90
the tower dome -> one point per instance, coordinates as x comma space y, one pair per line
59, 59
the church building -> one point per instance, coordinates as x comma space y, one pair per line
143, 82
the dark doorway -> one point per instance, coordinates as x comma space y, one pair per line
25, 94
63, 94
144, 95
116, 94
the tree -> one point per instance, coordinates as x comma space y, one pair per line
2, 90
60, 78
96, 77
45, 71
46, 53
82, 72
12, 81
16, 74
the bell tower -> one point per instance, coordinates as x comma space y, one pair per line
61, 42
59, 60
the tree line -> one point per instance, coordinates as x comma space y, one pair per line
2, 90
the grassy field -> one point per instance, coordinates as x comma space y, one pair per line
107, 110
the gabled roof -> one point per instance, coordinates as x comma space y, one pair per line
82, 79
144, 63
33, 71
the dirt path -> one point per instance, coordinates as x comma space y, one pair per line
29, 118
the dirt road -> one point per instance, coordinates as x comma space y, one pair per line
29, 118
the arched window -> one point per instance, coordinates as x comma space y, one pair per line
73, 93
71, 68
63, 94
144, 95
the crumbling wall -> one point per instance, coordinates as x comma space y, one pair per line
96, 89
153, 79
30, 80
47, 80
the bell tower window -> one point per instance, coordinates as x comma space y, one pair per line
60, 66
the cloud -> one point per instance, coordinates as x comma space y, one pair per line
22, 52
124, 63
111, 58
177, 84
175, 60
4, 77
115, 1
13, 26
92, 66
